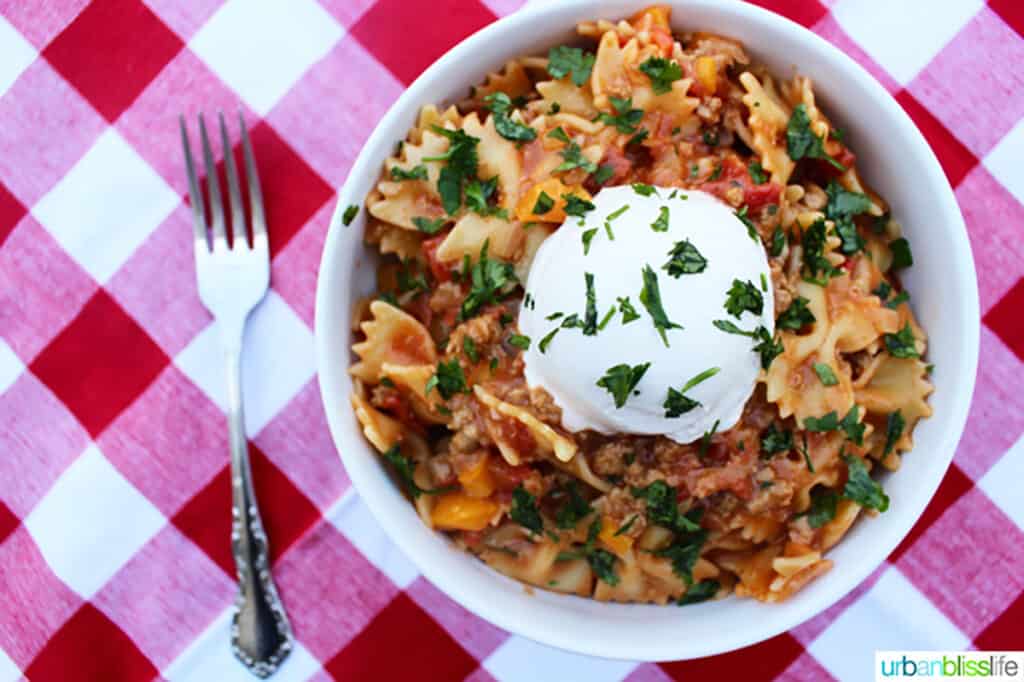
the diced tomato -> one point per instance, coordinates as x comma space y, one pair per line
506, 476
620, 164
441, 271
733, 172
826, 170
661, 37
393, 402
758, 196
517, 436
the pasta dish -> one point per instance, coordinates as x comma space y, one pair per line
639, 332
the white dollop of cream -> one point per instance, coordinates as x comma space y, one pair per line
572, 363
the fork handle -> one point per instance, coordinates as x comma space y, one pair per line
261, 636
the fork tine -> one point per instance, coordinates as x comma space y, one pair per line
234, 192
259, 222
213, 189
194, 195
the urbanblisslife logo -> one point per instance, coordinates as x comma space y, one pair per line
949, 665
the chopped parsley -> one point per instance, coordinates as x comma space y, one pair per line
825, 373
823, 507
617, 212
897, 300
575, 508
349, 215
861, 488
428, 226
570, 61
501, 106
448, 379
404, 469
487, 278
519, 341
757, 173
660, 224
828, 422
702, 591
543, 204
418, 172
894, 426
469, 348
778, 242
730, 327
624, 528
748, 223
801, 142
461, 158
576, 206
590, 312
842, 206
705, 440
775, 440
663, 508
684, 552
817, 268
560, 135
767, 347
588, 236
621, 380
901, 344
626, 117
601, 561
677, 403
716, 173
710, 138
901, 255
684, 259
650, 297
644, 190
662, 73
479, 194
796, 316
764, 283
629, 313
574, 158
603, 174
524, 510
743, 296
606, 319
851, 426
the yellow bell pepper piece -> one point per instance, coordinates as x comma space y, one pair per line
477, 480
554, 188
658, 13
459, 511
619, 544
707, 74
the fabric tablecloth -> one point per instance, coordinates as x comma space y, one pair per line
114, 490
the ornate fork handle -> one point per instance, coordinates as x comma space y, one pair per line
260, 633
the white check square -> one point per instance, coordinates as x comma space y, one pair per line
277, 361
352, 517
9, 672
11, 367
1002, 483
1003, 161
16, 55
893, 614
106, 206
519, 658
209, 658
262, 47
91, 506
904, 36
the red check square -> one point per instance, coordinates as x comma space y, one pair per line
100, 363
1011, 11
954, 486
956, 159
769, 658
386, 27
11, 212
804, 12
1006, 319
90, 647
1005, 633
111, 51
428, 653
286, 512
8, 522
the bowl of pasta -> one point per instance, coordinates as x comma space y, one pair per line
654, 333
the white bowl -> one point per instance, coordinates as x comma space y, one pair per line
893, 157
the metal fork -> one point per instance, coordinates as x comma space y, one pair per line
233, 275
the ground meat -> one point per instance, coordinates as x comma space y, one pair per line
485, 330
544, 406
609, 459
467, 427
781, 286
620, 506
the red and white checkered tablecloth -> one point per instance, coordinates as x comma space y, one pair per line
114, 492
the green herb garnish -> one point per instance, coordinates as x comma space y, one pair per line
570, 61
662, 73
574, 158
501, 106
626, 117
778, 243
405, 469
629, 313
428, 226
469, 348
902, 343
588, 236
349, 215
901, 255
650, 297
543, 204
677, 403
825, 374
660, 224
575, 508
757, 173
743, 296
861, 488
519, 341
702, 591
742, 214
448, 379
796, 316
621, 380
576, 206
644, 190
823, 507
603, 174
684, 259
775, 440
418, 172
894, 426
487, 278
461, 166
801, 142
524, 510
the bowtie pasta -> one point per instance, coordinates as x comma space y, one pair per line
459, 211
